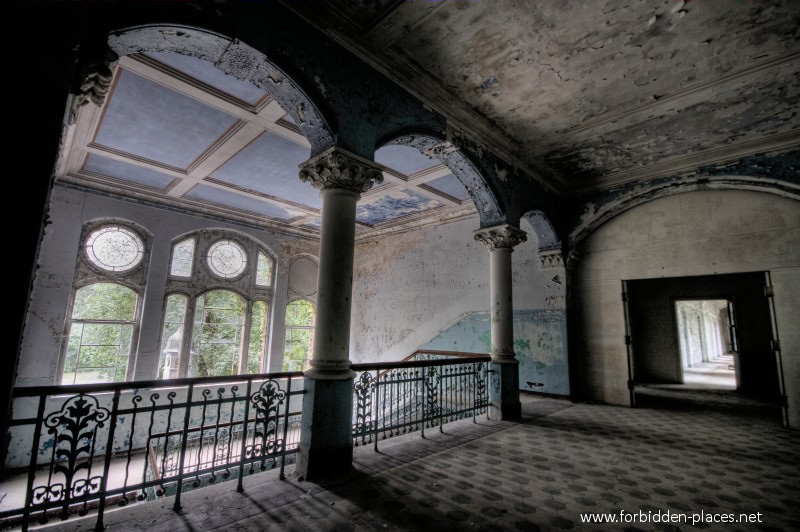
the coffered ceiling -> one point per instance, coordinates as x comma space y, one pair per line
591, 95
176, 130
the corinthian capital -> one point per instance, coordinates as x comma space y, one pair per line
500, 236
337, 168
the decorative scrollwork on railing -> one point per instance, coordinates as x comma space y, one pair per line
74, 431
427, 389
480, 387
267, 402
93, 446
431, 407
363, 390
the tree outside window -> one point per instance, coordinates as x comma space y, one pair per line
100, 335
299, 335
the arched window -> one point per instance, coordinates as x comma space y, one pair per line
102, 327
210, 326
100, 334
299, 335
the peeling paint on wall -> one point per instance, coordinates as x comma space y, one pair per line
540, 344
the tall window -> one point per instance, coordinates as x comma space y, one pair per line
101, 330
216, 313
299, 335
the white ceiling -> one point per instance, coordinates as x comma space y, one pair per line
176, 130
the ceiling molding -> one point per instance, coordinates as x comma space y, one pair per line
195, 208
683, 163
567, 137
403, 72
406, 226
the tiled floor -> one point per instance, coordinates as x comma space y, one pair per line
563, 460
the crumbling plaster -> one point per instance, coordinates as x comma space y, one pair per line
589, 89
354, 108
410, 287
777, 174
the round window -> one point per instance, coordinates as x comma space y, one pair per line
226, 259
114, 249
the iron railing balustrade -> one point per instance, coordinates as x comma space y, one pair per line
425, 390
93, 445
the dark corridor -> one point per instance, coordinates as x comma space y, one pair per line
655, 350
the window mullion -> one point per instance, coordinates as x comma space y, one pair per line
244, 346
188, 331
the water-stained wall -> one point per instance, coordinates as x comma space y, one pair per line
430, 288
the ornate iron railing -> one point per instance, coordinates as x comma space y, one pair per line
87, 447
426, 390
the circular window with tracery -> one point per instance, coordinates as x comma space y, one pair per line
226, 259
114, 248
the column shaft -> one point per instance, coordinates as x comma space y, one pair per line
502, 308
504, 377
334, 285
326, 440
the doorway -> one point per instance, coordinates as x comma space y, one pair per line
707, 342
673, 321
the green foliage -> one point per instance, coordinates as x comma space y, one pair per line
258, 337
174, 315
216, 335
99, 352
299, 335
300, 313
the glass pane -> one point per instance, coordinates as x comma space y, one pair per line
73, 348
97, 352
216, 334
297, 349
264, 270
172, 336
226, 259
258, 338
182, 257
104, 301
114, 248
300, 313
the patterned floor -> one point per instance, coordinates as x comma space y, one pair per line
564, 460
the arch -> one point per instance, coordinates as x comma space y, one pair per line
461, 165
240, 61
545, 232
226, 230
598, 213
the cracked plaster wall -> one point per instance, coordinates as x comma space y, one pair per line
587, 87
696, 233
409, 288
69, 210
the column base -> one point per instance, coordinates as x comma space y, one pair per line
504, 391
326, 438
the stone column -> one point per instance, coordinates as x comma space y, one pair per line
326, 443
504, 380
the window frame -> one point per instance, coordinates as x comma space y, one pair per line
87, 273
311, 328
203, 280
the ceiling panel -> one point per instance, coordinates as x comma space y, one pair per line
126, 171
269, 165
146, 119
206, 72
237, 201
393, 205
451, 186
404, 159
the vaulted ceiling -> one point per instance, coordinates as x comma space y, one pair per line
590, 95
585, 96
175, 129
